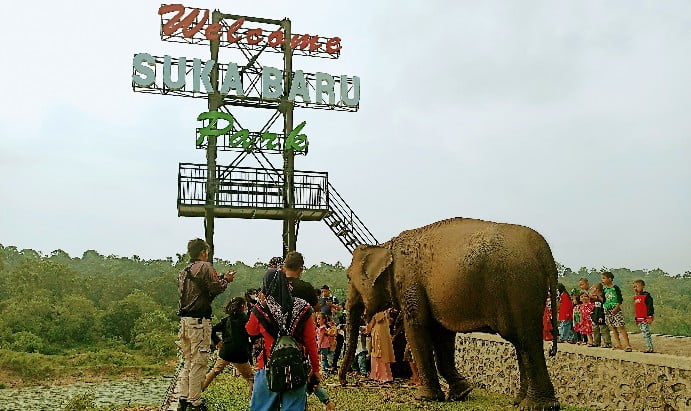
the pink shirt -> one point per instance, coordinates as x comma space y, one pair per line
323, 340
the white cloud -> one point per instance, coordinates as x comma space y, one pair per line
567, 117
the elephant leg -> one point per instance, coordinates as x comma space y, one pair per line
522, 366
417, 322
445, 349
539, 391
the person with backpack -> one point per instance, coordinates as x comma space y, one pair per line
293, 267
287, 328
234, 347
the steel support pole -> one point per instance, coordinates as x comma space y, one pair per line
289, 222
211, 154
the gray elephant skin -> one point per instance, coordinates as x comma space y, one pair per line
460, 275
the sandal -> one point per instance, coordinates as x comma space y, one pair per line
628, 349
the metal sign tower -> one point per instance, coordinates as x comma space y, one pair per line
211, 190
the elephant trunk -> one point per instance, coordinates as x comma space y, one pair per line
355, 308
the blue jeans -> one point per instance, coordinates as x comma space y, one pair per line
324, 356
360, 363
566, 330
645, 329
322, 395
265, 400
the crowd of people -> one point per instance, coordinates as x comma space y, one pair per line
255, 324
588, 314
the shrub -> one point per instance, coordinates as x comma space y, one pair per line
156, 344
25, 341
81, 402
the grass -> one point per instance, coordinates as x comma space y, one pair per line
228, 393
20, 368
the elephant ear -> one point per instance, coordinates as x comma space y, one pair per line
369, 261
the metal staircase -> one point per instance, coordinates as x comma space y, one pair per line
343, 222
249, 192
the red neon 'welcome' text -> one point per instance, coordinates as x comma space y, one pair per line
190, 26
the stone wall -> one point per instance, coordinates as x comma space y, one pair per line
597, 378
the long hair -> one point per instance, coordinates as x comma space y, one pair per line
235, 306
561, 288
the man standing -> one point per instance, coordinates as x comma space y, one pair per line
198, 285
293, 267
329, 303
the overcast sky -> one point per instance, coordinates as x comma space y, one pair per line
568, 117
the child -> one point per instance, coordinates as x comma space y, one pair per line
323, 342
360, 363
613, 316
408, 357
577, 317
565, 315
600, 330
382, 347
583, 285
332, 331
235, 345
547, 320
585, 326
643, 312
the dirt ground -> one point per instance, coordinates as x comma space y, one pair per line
680, 346
663, 344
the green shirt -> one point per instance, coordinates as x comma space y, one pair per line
612, 297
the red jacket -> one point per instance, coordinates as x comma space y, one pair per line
309, 338
565, 308
643, 306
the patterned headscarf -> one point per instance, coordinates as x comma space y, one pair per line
282, 314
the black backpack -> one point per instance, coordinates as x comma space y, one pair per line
287, 367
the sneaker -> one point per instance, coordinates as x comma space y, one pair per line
607, 346
200, 407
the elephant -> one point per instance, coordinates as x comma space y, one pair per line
460, 275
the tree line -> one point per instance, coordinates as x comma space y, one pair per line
55, 303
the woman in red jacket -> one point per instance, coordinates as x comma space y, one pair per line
277, 309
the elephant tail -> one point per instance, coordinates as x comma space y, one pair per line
553, 301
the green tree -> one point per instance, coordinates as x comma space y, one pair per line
33, 313
121, 316
77, 321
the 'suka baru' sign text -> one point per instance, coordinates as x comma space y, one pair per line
191, 76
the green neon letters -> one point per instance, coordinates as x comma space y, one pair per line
295, 141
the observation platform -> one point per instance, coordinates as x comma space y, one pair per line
252, 193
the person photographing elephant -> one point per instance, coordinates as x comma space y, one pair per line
198, 285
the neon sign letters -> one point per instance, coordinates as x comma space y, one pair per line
295, 141
191, 26
146, 74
